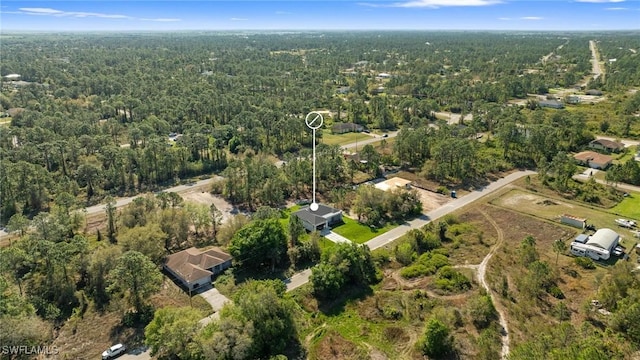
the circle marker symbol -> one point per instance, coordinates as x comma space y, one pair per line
314, 206
314, 120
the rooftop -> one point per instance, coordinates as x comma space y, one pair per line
192, 264
393, 183
316, 217
586, 156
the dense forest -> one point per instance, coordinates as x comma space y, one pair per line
95, 117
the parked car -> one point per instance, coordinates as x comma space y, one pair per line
114, 351
385, 135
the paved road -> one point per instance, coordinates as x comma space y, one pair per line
127, 200
623, 186
595, 61
375, 139
298, 279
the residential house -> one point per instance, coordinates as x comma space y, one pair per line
553, 104
321, 219
341, 128
606, 145
195, 267
593, 159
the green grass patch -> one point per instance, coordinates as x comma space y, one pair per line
342, 139
629, 207
359, 233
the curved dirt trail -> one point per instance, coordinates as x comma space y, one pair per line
482, 270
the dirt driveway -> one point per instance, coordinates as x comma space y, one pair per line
431, 200
200, 196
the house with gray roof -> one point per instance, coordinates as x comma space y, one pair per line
323, 218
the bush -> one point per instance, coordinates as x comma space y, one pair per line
449, 279
437, 340
405, 253
556, 292
585, 263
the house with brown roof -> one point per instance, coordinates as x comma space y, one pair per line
606, 145
593, 159
195, 267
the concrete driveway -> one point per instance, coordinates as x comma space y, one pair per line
214, 298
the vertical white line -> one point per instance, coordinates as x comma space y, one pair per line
314, 166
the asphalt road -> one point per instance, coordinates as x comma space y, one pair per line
126, 200
374, 139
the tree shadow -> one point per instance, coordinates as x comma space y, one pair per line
335, 306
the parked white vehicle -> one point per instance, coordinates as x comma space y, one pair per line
625, 223
114, 351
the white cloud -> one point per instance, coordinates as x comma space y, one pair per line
60, 13
616, 8
435, 3
80, 14
238, 19
600, 1
531, 18
504, 18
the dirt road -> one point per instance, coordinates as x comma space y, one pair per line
482, 271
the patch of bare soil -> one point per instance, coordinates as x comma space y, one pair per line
431, 200
206, 198
334, 346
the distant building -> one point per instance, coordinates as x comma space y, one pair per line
321, 219
393, 183
194, 267
573, 99
599, 246
341, 128
593, 159
594, 92
606, 145
553, 104
384, 75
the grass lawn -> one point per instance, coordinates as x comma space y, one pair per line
629, 207
342, 139
359, 233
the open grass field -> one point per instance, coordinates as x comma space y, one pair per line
342, 139
359, 233
629, 207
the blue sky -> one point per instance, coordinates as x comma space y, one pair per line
173, 15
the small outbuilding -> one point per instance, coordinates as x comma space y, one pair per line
580, 223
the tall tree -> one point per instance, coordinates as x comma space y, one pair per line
136, 276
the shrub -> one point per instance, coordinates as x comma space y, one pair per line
585, 263
437, 340
449, 279
405, 253
556, 292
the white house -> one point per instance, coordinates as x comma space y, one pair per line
194, 267
599, 246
